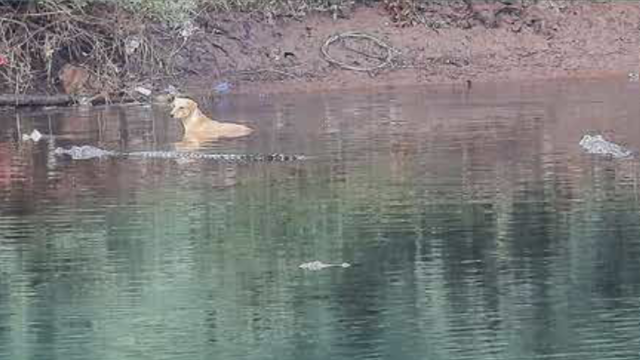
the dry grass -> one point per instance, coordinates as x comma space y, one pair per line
118, 41
123, 42
114, 44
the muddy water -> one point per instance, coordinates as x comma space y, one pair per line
475, 227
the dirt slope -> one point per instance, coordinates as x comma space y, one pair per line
549, 40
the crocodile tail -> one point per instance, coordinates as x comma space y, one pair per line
276, 157
286, 157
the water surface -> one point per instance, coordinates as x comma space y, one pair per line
475, 226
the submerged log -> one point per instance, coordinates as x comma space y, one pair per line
35, 100
66, 100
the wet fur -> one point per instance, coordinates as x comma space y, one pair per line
198, 128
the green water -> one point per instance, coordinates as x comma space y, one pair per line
475, 226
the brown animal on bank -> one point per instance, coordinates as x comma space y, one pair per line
74, 79
198, 128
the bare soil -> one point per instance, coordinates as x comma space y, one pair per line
402, 42
551, 39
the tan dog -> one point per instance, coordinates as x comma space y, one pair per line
198, 128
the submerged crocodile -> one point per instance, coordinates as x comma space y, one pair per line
91, 152
597, 145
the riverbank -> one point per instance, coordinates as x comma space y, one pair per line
581, 40
397, 43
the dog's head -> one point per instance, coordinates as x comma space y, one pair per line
182, 108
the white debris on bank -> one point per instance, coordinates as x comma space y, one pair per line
35, 136
142, 90
188, 29
319, 265
599, 146
132, 44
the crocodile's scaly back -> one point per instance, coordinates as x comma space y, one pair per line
84, 152
90, 152
217, 157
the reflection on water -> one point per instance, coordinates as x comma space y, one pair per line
475, 226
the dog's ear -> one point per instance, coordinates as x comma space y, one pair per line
191, 105
175, 101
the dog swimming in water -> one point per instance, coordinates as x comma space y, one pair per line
198, 128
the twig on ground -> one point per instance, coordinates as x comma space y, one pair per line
386, 60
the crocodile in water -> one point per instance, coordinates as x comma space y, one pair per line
90, 152
599, 146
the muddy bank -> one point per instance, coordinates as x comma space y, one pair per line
399, 42
540, 42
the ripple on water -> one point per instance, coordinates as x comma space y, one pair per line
475, 227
